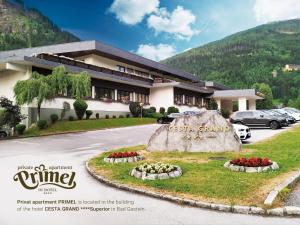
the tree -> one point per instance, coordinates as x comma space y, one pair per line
42, 88
11, 115
267, 102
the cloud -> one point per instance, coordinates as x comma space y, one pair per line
274, 10
177, 23
157, 53
132, 12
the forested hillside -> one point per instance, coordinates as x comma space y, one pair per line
21, 27
248, 57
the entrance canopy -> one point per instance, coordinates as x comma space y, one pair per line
224, 98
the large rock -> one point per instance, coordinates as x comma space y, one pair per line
206, 132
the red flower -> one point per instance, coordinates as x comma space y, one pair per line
252, 162
122, 154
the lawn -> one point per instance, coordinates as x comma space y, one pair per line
206, 179
86, 125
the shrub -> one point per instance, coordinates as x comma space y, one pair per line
80, 107
153, 109
172, 109
155, 115
162, 110
97, 116
71, 118
42, 124
114, 117
53, 118
88, 114
106, 116
135, 109
121, 116
225, 113
147, 112
212, 104
20, 128
128, 115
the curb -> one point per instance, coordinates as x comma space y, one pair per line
289, 182
285, 211
68, 132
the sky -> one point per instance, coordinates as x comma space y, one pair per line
158, 29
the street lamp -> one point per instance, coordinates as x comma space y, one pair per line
141, 104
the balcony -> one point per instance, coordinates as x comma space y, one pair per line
77, 63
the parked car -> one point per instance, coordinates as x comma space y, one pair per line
290, 119
257, 118
169, 118
242, 131
4, 132
289, 112
190, 113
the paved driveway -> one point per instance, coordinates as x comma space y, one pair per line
74, 150
259, 134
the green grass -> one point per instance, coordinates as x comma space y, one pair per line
207, 179
86, 125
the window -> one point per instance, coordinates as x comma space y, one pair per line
141, 73
144, 98
188, 100
121, 68
130, 70
123, 96
178, 99
104, 93
198, 101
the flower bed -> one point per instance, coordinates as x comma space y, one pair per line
155, 171
252, 165
123, 157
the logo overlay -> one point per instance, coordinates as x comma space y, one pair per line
34, 177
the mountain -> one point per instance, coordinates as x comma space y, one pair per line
21, 27
247, 57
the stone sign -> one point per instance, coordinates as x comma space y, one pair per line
205, 132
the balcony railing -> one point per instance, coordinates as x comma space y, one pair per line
72, 62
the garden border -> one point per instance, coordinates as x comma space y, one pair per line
285, 211
289, 182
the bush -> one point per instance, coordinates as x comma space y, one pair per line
212, 104
106, 116
114, 117
121, 116
88, 114
42, 124
162, 110
225, 113
53, 118
97, 116
80, 107
172, 109
20, 128
128, 115
155, 115
153, 109
71, 118
135, 109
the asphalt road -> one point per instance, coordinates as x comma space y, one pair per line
74, 150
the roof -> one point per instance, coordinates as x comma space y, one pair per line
94, 47
235, 94
185, 86
217, 86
